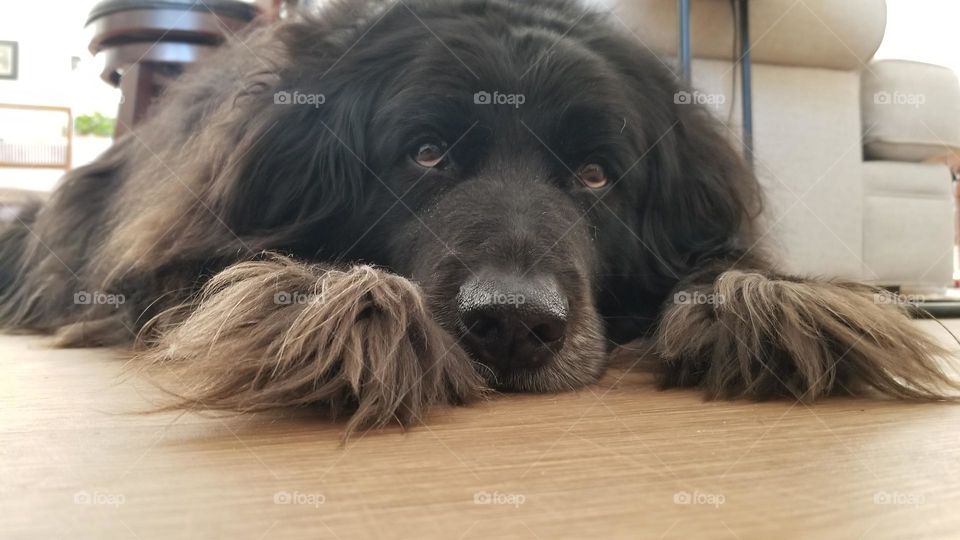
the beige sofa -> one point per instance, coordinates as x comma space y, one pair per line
841, 140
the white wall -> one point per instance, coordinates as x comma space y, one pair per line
50, 33
923, 30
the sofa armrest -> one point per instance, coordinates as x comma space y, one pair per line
911, 111
814, 33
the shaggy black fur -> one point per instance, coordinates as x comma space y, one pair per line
230, 168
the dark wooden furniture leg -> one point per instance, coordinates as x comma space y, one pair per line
137, 87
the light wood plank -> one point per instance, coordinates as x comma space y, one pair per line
604, 462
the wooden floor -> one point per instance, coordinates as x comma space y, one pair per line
619, 460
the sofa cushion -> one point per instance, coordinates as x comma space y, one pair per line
811, 33
908, 218
911, 110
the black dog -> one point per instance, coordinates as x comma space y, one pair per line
524, 164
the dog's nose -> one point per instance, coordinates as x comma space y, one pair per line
511, 321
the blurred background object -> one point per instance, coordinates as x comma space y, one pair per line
143, 45
55, 68
844, 131
36, 137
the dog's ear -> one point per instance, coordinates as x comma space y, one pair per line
290, 148
300, 159
260, 147
697, 196
701, 198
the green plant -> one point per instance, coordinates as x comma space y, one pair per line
95, 124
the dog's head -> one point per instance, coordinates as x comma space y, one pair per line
525, 162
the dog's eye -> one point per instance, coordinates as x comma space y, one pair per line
593, 176
431, 155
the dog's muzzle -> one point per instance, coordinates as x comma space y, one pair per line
512, 322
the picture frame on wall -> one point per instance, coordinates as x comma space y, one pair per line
8, 60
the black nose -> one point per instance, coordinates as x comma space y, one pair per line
511, 321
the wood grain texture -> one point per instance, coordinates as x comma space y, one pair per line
618, 460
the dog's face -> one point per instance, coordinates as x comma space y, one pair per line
513, 161
508, 264
508, 172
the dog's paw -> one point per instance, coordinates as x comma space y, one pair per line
751, 334
277, 333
